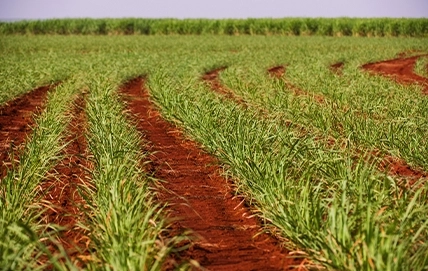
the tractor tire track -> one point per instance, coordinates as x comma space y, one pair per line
16, 121
226, 236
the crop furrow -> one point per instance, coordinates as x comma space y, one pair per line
212, 78
124, 222
394, 166
278, 71
23, 233
226, 236
16, 121
62, 189
389, 164
400, 69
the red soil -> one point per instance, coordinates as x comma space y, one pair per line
62, 186
398, 167
337, 68
213, 78
226, 235
277, 71
392, 165
399, 69
16, 120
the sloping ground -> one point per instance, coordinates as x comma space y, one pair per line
226, 236
62, 189
400, 69
16, 119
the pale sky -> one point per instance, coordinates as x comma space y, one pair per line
43, 9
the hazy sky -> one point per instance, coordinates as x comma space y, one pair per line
41, 9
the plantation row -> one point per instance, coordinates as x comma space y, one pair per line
118, 220
362, 27
308, 167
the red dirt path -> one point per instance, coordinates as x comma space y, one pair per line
16, 119
61, 189
399, 69
201, 198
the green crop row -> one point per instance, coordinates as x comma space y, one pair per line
22, 229
421, 67
370, 111
342, 211
363, 27
328, 200
123, 222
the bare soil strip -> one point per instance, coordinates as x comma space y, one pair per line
62, 192
227, 237
400, 69
16, 120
